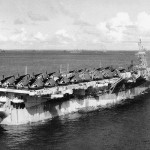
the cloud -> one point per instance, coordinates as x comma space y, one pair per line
3, 38
66, 11
74, 30
143, 22
19, 35
62, 32
115, 28
121, 20
2, 21
22, 36
37, 17
77, 17
64, 37
102, 26
40, 36
122, 30
80, 22
18, 21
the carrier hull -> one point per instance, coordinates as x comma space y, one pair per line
45, 109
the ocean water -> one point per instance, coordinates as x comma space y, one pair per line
125, 127
14, 62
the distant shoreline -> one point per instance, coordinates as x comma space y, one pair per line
71, 51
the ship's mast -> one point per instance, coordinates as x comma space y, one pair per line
141, 56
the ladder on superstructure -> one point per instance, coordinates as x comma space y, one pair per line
114, 85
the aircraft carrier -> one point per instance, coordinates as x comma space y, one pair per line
32, 98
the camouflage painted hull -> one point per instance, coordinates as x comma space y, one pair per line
39, 109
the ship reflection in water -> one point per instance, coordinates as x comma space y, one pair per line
122, 127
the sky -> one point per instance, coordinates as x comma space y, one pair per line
74, 24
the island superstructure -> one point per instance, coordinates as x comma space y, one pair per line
25, 99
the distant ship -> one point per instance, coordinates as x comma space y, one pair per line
75, 51
2, 51
25, 99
